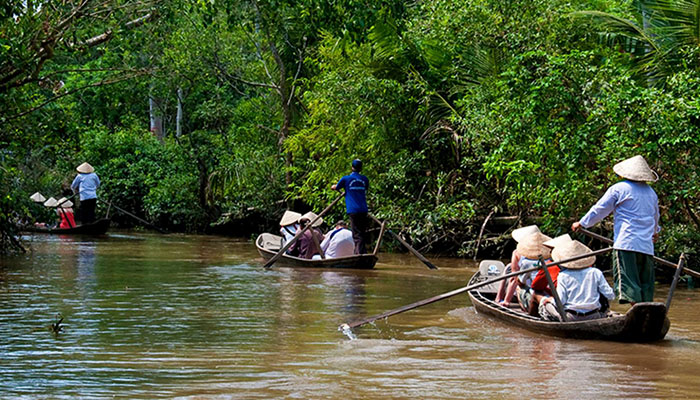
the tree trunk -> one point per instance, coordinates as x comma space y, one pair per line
156, 117
178, 120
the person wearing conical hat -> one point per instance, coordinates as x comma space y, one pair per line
86, 183
65, 212
579, 286
635, 209
38, 198
308, 245
530, 249
356, 186
540, 284
289, 225
508, 285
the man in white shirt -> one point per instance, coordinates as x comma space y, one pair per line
338, 242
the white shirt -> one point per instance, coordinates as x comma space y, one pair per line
580, 289
635, 209
288, 232
338, 243
527, 263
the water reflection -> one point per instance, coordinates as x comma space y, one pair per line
161, 317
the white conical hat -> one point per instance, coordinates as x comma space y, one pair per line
51, 202
85, 168
520, 233
572, 249
289, 218
311, 215
636, 169
63, 203
38, 197
558, 241
532, 246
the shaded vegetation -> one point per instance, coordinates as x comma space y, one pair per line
461, 110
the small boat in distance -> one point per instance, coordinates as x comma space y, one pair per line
643, 322
99, 227
268, 245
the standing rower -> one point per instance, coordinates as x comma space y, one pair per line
356, 186
86, 182
635, 209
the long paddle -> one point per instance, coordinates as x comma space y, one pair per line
346, 326
661, 261
406, 245
143, 221
289, 244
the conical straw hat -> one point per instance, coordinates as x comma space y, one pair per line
63, 203
520, 233
558, 241
532, 246
636, 169
85, 168
51, 202
38, 197
289, 218
572, 249
311, 215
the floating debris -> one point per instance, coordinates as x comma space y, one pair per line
345, 328
56, 327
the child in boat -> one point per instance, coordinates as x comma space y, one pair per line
65, 212
508, 285
579, 286
530, 249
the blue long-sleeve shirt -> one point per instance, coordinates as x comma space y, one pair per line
87, 184
635, 209
355, 186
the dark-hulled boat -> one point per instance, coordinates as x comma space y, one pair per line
643, 322
268, 245
98, 227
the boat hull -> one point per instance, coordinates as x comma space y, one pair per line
361, 261
644, 322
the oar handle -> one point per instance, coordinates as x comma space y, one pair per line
661, 261
406, 245
133, 216
271, 261
455, 292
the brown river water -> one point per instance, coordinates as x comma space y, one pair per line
177, 316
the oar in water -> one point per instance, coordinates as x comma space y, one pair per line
661, 261
289, 244
143, 221
672, 289
350, 325
407, 246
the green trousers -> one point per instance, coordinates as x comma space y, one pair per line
633, 276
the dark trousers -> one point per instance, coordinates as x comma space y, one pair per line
359, 223
87, 210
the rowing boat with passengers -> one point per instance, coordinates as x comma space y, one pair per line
643, 322
268, 245
98, 227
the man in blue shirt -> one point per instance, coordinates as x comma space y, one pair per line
635, 209
356, 186
86, 182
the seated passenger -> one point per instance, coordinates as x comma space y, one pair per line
338, 242
289, 225
530, 249
65, 211
508, 285
579, 286
540, 285
306, 246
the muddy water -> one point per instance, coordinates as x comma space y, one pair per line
172, 316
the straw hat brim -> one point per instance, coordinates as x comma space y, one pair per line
570, 250
636, 169
290, 218
311, 216
520, 233
558, 241
63, 203
51, 202
85, 168
38, 197
532, 246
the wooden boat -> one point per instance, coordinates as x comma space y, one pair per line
268, 245
644, 322
98, 227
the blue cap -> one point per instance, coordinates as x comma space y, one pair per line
357, 165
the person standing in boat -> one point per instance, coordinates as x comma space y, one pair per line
86, 183
356, 186
579, 286
635, 208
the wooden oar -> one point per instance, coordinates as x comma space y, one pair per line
406, 245
143, 221
661, 261
289, 244
679, 268
455, 292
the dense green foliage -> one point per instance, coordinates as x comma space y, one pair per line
461, 110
